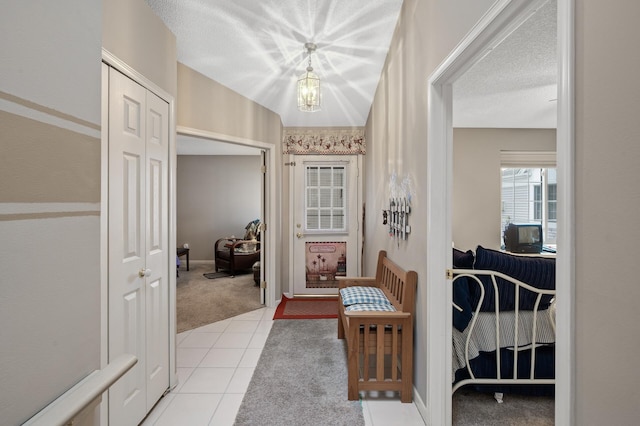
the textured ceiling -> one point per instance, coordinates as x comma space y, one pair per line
515, 85
256, 48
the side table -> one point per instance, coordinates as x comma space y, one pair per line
183, 252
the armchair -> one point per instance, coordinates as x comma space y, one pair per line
237, 254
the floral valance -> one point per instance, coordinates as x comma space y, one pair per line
324, 141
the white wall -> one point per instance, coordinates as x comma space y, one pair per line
217, 197
476, 179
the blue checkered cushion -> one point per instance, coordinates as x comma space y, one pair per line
381, 307
361, 294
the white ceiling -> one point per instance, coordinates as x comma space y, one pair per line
256, 48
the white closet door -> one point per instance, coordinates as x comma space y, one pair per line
138, 240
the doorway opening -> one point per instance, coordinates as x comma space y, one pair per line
219, 210
500, 21
263, 204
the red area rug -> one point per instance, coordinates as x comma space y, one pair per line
307, 308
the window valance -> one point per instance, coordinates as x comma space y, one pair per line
331, 141
527, 159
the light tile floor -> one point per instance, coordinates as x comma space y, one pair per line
215, 364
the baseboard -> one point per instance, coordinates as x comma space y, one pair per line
420, 405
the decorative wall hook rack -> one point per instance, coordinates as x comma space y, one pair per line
397, 217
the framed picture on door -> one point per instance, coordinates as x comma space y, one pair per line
324, 261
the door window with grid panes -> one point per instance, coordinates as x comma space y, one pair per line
325, 206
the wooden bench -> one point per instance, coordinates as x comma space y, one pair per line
380, 344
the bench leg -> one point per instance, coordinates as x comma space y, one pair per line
352, 386
406, 394
352, 364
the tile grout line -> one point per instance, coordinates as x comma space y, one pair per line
244, 352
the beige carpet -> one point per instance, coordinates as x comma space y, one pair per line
201, 301
472, 408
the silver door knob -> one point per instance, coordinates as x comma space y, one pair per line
144, 273
299, 235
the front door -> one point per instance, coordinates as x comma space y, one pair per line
138, 246
326, 222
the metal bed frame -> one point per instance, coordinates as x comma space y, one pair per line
473, 276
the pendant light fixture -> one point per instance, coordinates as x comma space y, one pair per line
309, 86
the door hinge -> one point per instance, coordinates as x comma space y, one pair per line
449, 274
263, 284
263, 227
263, 169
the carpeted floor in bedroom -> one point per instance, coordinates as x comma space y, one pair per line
201, 301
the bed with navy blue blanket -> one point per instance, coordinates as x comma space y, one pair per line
503, 322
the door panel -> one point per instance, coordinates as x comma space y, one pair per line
156, 332
131, 172
326, 213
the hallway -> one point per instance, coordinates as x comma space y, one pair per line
215, 364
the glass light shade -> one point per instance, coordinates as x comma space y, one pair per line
309, 91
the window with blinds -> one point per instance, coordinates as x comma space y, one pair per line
326, 192
529, 195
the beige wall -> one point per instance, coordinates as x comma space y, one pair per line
607, 210
50, 147
207, 106
217, 196
49, 201
607, 193
476, 179
134, 34
396, 135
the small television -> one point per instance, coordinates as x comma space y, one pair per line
523, 238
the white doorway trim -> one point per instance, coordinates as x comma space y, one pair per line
121, 66
273, 228
503, 17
